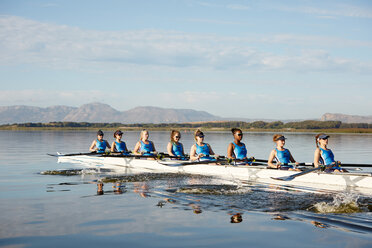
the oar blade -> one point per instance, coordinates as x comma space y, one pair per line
287, 178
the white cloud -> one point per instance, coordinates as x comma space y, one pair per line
24, 41
238, 7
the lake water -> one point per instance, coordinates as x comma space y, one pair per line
164, 210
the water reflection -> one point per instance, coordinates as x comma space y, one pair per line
202, 194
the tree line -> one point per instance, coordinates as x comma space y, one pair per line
309, 124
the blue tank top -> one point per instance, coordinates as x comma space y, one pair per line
146, 148
101, 146
120, 147
240, 151
283, 156
326, 157
177, 149
203, 150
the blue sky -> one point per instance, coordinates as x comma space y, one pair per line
252, 59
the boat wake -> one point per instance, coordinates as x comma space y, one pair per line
342, 203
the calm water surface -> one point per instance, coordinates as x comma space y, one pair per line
164, 210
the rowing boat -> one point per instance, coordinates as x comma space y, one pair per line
355, 182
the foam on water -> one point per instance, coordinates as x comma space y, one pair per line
342, 203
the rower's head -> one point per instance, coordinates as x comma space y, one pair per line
118, 134
175, 136
198, 135
144, 134
238, 134
279, 139
321, 139
100, 135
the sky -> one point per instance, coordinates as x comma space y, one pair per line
247, 59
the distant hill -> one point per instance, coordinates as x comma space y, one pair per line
103, 113
99, 112
22, 114
346, 118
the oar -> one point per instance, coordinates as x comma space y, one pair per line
342, 165
166, 155
73, 154
120, 155
218, 160
291, 177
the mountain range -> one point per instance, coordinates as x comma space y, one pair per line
99, 112
346, 118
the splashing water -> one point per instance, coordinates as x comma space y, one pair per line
342, 203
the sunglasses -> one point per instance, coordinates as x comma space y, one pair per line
239, 134
177, 137
201, 136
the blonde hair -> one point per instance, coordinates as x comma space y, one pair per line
143, 133
174, 132
197, 133
276, 136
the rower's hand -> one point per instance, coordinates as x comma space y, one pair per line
279, 165
200, 155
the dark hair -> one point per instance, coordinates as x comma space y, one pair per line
197, 132
234, 130
117, 132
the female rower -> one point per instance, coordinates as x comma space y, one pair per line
324, 156
144, 146
282, 155
237, 149
201, 150
118, 145
174, 147
99, 145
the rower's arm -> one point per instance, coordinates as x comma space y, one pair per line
92, 147
316, 157
211, 152
136, 148
108, 145
270, 160
169, 149
291, 158
230, 151
193, 155
113, 147
183, 151
153, 147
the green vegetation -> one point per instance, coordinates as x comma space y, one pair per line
329, 126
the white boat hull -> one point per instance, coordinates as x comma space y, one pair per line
353, 182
